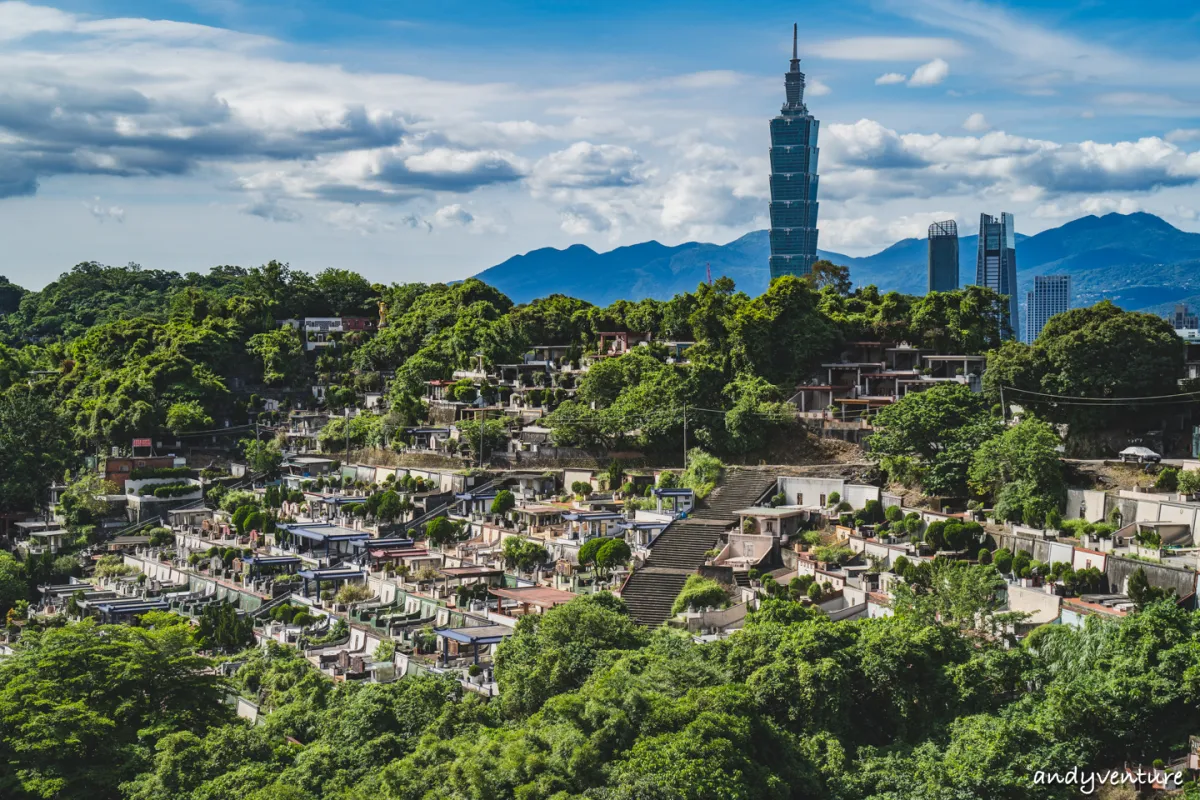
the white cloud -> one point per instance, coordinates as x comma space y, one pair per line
976, 123
887, 48
866, 159
1088, 205
816, 88
1183, 135
930, 74
870, 233
365, 221
890, 78
104, 213
585, 165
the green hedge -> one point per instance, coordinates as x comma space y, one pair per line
165, 490
143, 473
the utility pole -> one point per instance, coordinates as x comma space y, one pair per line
346, 418
1003, 408
685, 437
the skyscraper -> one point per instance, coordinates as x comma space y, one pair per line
1051, 295
793, 179
996, 265
943, 256
1183, 318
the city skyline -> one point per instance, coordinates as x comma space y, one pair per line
434, 145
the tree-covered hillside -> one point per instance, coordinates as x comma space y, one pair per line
122, 352
593, 706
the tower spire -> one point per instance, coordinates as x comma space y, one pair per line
795, 50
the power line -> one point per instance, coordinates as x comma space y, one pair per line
1178, 397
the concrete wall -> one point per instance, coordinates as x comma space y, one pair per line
1043, 606
1091, 502
857, 495
247, 710
808, 491
1082, 559
1060, 552
1183, 581
719, 619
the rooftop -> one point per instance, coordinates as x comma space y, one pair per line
780, 512
540, 596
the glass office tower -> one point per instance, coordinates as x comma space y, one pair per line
793, 179
1051, 295
996, 265
943, 256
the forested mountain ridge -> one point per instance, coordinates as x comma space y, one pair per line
1137, 260
115, 353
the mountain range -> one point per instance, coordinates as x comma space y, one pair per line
1139, 261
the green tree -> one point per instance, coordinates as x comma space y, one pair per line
556, 651
282, 355
187, 415
14, 587
613, 553
82, 705
222, 628
263, 456
440, 532
34, 449
1096, 352
503, 502
930, 437
1025, 453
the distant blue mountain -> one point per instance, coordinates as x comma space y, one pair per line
1138, 260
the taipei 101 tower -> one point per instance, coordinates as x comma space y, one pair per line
793, 179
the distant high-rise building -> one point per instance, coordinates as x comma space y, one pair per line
996, 265
1183, 319
943, 256
793, 179
1051, 295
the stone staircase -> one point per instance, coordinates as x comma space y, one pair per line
738, 489
679, 550
650, 592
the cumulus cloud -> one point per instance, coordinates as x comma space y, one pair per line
887, 48
930, 74
866, 159
584, 165
976, 123
890, 78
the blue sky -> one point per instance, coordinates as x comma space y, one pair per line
430, 141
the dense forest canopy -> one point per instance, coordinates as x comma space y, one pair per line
591, 705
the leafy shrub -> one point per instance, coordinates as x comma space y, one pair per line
699, 593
